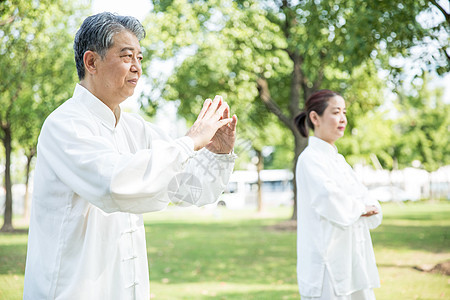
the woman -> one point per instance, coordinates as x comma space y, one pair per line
335, 255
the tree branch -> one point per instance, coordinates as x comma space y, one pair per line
318, 82
264, 94
320, 74
286, 26
444, 49
446, 14
289, 21
297, 81
7, 21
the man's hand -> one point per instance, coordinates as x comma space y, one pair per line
370, 211
213, 127
223, 141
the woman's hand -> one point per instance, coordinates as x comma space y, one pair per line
370, 211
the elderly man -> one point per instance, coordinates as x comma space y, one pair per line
98, 169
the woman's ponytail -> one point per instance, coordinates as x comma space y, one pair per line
300, 123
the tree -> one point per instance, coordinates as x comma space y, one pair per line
37, 73
277, 52
437, 53
423, 127
369, 129
193, 90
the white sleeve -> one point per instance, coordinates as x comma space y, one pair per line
91, 166
207, 174
204, 175
327, 197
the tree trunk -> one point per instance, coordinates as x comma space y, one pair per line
299, 83
430, 186
300, 144
259, 168
26, 212
7, 225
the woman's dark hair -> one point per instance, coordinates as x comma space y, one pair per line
317, 102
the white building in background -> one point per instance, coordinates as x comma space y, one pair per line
242, 189
407, 184
277, 189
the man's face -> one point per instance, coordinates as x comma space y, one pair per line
120, 70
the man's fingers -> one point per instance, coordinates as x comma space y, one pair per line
213, 107
226, 112
221, 112
233, 123
205, 107
223, 122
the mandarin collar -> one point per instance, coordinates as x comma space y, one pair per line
323, 146
97, 107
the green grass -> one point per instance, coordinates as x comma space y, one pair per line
231, 256
412, 234
221, 254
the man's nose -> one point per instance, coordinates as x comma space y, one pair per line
136, 66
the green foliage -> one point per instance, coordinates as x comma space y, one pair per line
223, 64
281, 157
224, 47
423, 128
372, 135
38, 73
369, 131
415, 129
37, 60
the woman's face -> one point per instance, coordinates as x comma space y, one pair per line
331, 125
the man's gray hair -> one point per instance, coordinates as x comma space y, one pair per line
97, 32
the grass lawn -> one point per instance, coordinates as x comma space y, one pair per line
222, 254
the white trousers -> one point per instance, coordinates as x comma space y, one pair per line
329, 294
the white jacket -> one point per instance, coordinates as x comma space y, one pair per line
332, 234
93, 179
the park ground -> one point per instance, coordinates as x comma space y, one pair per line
223, 254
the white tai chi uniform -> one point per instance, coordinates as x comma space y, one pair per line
335, 258
93, 180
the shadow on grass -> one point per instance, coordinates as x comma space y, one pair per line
259, 295
15, 231
417, 215
12, 258
434, 239
400, 266
247, 252
242, 252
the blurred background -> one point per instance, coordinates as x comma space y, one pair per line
389, 60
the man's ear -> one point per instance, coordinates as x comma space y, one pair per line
90, 61
314, 117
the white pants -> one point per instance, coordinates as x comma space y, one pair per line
328, 292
